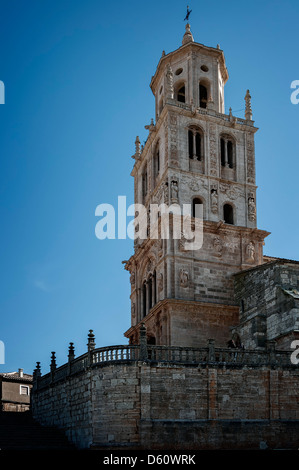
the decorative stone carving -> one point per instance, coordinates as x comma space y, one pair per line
213, 150
250, 159
210, 103
218, 246
173, 119
214, 201
173, 131
196, 184
137, 149
251, 209
248, 110
165, 127
232, 192
232, 246
133, 310
132, 279
169, 82
174, 190
184, 278
150, 127
250, 252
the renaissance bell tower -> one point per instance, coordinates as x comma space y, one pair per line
194, 154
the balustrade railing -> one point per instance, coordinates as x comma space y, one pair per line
115, 353
211, 356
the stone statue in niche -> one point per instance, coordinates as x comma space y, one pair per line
132, 278
133, 310
174, 188
184, 278
250, 252
218, 246
214, 201
251, 209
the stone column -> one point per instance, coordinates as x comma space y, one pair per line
194, 145
225, 153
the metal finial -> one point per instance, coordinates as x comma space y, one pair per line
187, 14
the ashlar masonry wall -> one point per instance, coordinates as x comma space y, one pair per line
151, 405
268, 296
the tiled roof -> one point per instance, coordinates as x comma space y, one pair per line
16, 376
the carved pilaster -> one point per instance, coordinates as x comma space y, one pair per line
213, 151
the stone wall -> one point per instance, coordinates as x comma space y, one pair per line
150, 404
268, 296
68, 406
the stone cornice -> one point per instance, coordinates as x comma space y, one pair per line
179, 303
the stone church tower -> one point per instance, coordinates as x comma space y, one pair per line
177, 385
195, 154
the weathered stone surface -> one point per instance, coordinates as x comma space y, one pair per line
172, 391
185, 406
268, 296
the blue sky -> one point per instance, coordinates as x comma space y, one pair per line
76, 77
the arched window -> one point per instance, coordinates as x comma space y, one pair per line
197, 206
227, 150
203, 96
228, 214
181, 94
195, 144
149, 293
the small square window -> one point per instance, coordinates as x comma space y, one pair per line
24, 390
